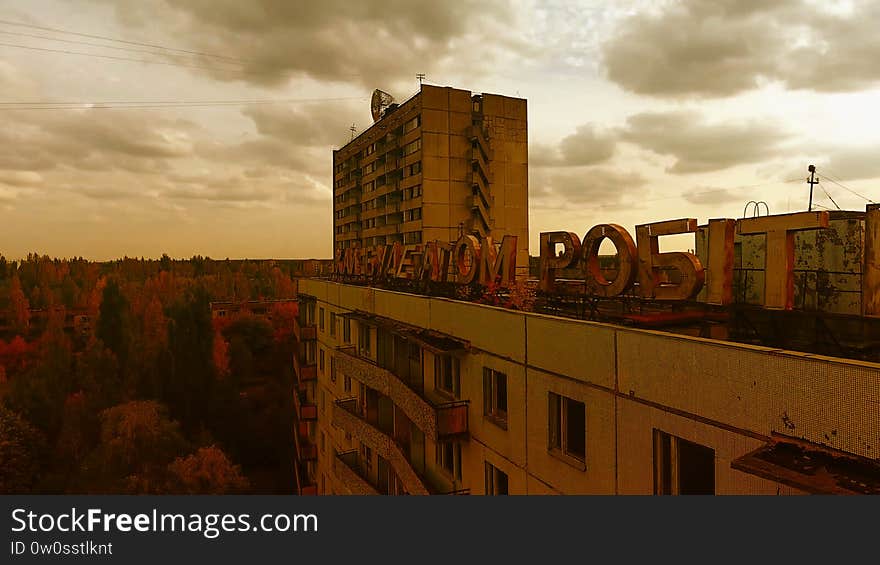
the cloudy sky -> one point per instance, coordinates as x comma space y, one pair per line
638, 111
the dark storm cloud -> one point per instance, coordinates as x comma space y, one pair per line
598, 186
366, 42
720, 48
322, 124
698, 146
91, 140
584, 147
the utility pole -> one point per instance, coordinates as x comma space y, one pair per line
352, 129
421, 77
813, 181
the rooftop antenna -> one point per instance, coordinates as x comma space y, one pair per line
812, 181
352, 129
421, 77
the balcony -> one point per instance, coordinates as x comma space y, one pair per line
346, 417
305, 485
478, 137
305, 370
304, 331
348, 469
305, 449
435, 419
304, 410
480, 212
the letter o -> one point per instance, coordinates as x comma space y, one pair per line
466, 273
626, 252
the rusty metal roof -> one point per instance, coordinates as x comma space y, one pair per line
811, 467
432, 340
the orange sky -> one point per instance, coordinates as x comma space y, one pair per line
638, 111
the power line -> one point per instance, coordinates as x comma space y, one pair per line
105, 38
64, 51
75, 42
828, 195
841, 185
13, 106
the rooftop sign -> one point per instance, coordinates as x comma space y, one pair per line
641, 266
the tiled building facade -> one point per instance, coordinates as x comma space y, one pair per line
418, 395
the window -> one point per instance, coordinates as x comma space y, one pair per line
322, 442
347, 383
412, 237
447, 374
321, 360
413, 214
346, 330
333, 369
412, 192
412, 124
568, 427
414, 169
367, 457
364, 339
495, 396
449, 458
681, 466
311, 352
496, 480
333, 323
321, 318
412, 147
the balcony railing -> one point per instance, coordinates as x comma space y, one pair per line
304, 331
304, 410
435, 419
347, 417
480, 211
351, 473
305, 449
305, 485
305, 370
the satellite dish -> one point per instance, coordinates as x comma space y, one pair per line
380, 101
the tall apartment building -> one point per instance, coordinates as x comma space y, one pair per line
403, 393
443, 163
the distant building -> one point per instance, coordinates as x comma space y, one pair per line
263, 308
441, 164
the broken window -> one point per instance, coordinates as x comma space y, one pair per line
681, 466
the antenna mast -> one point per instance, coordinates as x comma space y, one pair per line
421, 77
352, 129
812, 181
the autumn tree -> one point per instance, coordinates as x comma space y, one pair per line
113, 321
207, 471
190, 376
20, 307
21, 454
137, 442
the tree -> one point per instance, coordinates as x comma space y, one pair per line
207, 471
113, 321
137, 441
21, 454
191, 374
20, 307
